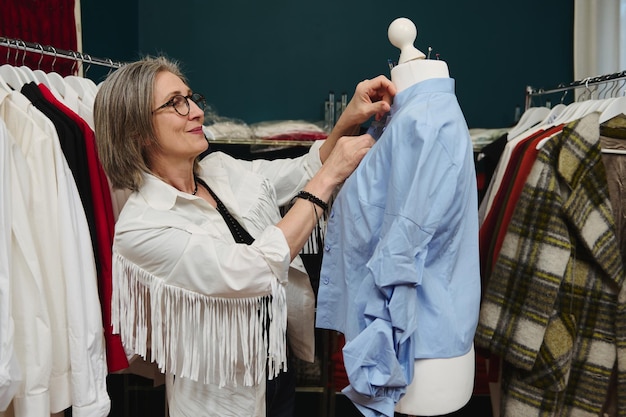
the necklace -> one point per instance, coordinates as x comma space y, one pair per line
195, 183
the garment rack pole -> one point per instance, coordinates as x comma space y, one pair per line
584, 83
57, 53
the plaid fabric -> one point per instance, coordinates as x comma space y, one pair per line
550, 309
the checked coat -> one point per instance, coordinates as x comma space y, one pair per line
553, 309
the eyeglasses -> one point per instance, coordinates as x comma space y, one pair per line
181, 103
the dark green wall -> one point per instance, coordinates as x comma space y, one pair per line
277, 59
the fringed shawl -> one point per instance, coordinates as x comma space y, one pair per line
225, 341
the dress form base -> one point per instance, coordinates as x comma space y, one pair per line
439, 386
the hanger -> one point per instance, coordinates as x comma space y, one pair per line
90, 84
595, 105
615, 90
56, 80
561, 113
25, 72
74, 81
574, 109
3, 85
617, 104
530, 118
571, 112
611, 105
10, 74
40, 75
555, 111
86, 84
606, 80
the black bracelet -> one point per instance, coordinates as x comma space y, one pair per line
313, 199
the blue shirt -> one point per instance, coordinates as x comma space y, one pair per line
400, 270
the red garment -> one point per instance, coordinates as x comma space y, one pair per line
496, 222
494, 228
340, 376
489, 227
304, 136
525, 166
105, 228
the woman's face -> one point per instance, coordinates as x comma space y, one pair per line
181, 138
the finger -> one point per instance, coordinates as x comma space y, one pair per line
379, 81
361, 152
389, 94
370, 139
381, 108
384, 86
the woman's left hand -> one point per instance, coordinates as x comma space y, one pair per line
371, 98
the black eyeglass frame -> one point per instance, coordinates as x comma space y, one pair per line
197, 98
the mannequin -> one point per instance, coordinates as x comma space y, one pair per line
400, 275
439, 386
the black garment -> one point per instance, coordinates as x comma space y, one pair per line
72, 143
280, 395
240, 234
486, 162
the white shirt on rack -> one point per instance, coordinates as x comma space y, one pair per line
62, 247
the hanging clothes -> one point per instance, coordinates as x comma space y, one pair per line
553, 308
58, 336
104, 224
10, 374
523, 152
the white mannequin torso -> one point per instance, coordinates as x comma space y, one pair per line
412, 72
443, 385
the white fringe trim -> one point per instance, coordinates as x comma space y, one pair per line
191, 335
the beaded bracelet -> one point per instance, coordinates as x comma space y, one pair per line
313, 199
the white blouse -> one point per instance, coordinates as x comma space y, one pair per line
199, 302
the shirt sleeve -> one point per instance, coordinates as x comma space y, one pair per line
290, 175
376, 377
200, 260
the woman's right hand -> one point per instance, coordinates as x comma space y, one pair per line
343, 160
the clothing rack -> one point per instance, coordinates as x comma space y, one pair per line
584, 83
35, 47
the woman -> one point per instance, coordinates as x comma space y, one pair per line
201, 254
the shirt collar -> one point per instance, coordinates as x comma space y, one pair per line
159, 194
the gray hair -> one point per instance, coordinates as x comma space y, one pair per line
123, 120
